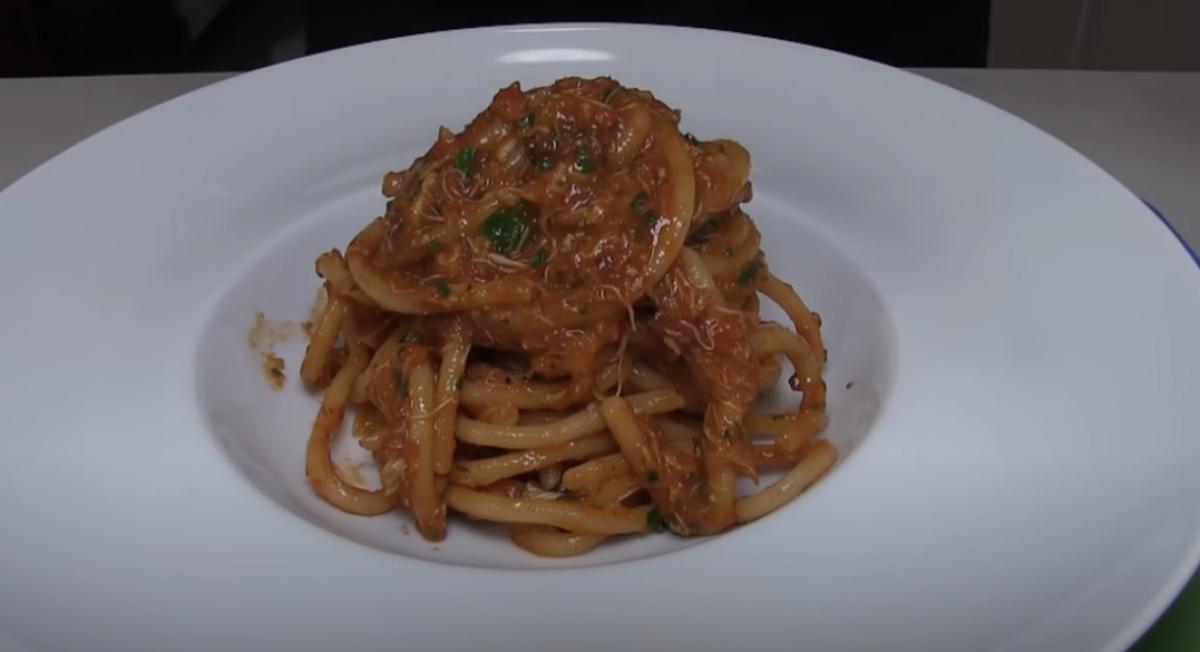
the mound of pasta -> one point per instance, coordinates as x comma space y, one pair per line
555, 326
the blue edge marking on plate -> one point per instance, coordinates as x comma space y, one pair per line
1163, 218
1147, 635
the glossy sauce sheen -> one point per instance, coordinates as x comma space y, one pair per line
565, 236
589, 213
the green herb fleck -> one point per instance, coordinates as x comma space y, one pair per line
652, 475
544, 163
433, 532
434, 246
538, 258
638, 204
458, 384
747, 276
443, 289
655, 521
584, 162
508, 228
526, 122
691, 138
411, 337
703, 231
608, 94
638, 200
401, 384
465, 161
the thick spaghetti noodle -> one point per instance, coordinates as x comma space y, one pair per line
555, 326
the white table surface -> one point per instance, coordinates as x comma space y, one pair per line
1143, 127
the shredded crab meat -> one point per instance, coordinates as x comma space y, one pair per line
504, 262
508, 246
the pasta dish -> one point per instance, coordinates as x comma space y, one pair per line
555, 326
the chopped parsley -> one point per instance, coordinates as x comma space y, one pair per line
443, 289
584, 160
652, 475
433, 532
608, 94
434, 246
401, 384
465, 161
410, 337
703, 231
458, 384
526, 122
748, 275
638, 204
691, 138
544, 163
538, 258
638, 201
508, 228
655, 520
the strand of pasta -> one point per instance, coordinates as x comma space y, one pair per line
678, 208
810, 469
479, 473
548, 541
613, 490
384, 354
521, 394
773, 338
644, 379
789, 431
580, 424
743, 250
806, 322
566, 514
428, 509
374, 286
549, 477
586, 477
316, 356
454, 362
318, 463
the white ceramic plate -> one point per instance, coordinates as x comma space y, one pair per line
1019, 446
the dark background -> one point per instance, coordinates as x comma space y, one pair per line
85, 37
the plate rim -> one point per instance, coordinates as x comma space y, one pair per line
1185, 567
